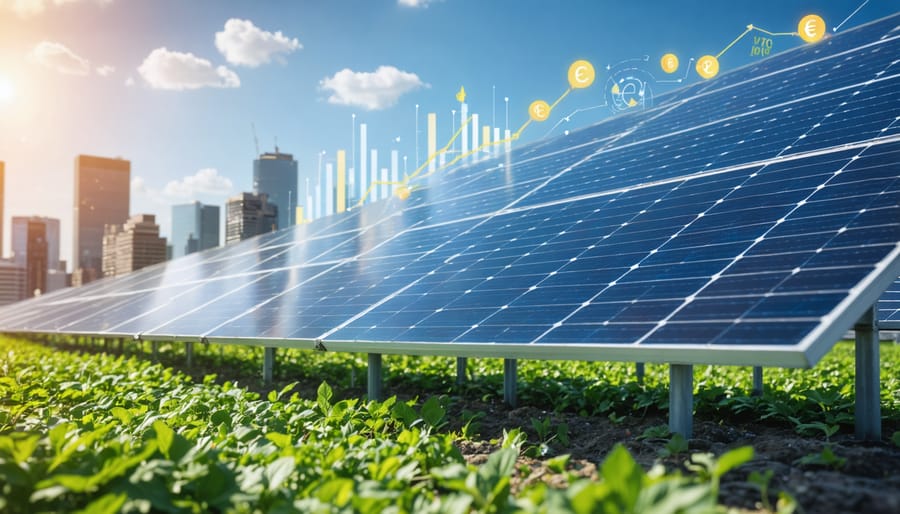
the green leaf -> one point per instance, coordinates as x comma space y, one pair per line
121, 414
623, 476
324, 395
278, 471
171, 444
896, 438
433, 412
558, 464
733, 459
106, 504
19, 445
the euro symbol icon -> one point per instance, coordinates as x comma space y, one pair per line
539, 110
810, 28
581, 74
706, 67
670, 63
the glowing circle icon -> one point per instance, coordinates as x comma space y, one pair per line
708, 66
811, 28
581, 74
669, 63
539, 110
402, 192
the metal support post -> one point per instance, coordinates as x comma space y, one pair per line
681, 399
868, 380
268, 364
757, 381
461, 370
509, 381
154, 345
639, 371
375, 377
189, 350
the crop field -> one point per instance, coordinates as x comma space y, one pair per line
98, 429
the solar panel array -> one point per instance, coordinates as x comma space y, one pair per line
749, 219
889, 308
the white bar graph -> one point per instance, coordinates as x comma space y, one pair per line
374, 174
395, 172
496, 147
475, 137
329, 189
363, 151
384, 186
318, 202
463, 116
508, 136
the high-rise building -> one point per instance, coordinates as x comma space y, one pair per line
20, 233
132, 246
248, 215
195, 227
275, 174
36, 262
102, 196
12, 282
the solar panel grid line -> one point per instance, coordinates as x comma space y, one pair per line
286, 291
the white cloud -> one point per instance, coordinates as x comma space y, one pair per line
139, 186
57, 56
415, 3
167, 69
28, 8
370, 90
105, 70
129, 81
206, 181
243, 43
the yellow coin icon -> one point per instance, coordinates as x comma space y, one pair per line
669, 63
539, 110
402, 192
708, 66
581, 74
811, 28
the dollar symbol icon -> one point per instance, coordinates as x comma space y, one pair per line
708, 66
669, 63
811, 28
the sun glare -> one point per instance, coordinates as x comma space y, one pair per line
7, 92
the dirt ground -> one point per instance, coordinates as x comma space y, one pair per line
867, 482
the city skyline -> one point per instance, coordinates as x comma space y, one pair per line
251, 73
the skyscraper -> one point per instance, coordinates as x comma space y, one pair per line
102, 196
275, 175
12, 282
195, 227
248, 215
36, 264
20, 232
132, 246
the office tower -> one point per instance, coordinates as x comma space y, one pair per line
275, 175
20, 231
12, 282
36, 262
363, 169
102, 195
432, 141
248, 215
134, 245
2, 198
194, 222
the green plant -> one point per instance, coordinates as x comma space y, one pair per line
826, 458
675, 446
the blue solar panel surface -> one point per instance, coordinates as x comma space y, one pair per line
750, 219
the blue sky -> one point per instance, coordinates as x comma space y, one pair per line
174, 85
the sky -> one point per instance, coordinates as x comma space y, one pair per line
178, 86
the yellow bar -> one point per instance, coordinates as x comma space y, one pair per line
341, 181
432, 137
299, 215
486, 136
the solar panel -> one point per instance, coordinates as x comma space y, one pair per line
889, 308
750, 219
